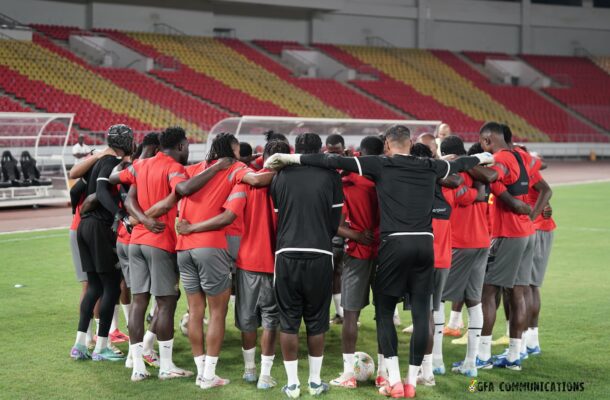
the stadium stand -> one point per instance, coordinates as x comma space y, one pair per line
479, 57
526, 102
328, 90
587, 86
276, 46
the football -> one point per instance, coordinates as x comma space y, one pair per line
184, 324
364, 366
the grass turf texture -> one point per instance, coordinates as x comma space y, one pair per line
39, 322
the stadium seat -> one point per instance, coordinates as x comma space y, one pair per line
10, 170
31, 174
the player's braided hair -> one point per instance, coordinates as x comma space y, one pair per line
308, 143
271, 135
421, 150
276, 146
221, 146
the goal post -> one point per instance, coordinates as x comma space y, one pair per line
251, 128
45, 137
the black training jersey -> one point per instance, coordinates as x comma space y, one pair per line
107, 195
404, 184
308, 202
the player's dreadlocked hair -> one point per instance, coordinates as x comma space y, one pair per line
276, 146
453, 145
308, 143
421, 150
221, 146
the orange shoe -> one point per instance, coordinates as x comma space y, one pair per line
118, 337
452, 332
397, 391
409, 391
380, 381
346, 381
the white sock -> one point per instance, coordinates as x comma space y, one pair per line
266, 364
514, 348
315, 366
115, 319
475, 324
426, 366
149, 342
381, 369
507, 329
485, 348
337, 301
97, 326
101, 343
137, 350
81, 338
166, 348
348, 363
437, 345
292, 372
90, 331
454, 319
249, 356
209, 371
532, 338
412, 375
126, 310
524, 339
200, 363
393, 370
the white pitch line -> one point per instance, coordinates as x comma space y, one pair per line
35, 230
581, 182
21, 239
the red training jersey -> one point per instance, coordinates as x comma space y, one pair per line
361, 213
207, 203
470, 223
540, 223
155, 178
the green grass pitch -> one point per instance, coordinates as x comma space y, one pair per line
38, 324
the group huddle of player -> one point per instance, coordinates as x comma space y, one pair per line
422, 223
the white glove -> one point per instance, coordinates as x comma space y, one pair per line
485, 158
280, 160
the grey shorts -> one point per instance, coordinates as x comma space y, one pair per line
466, 275
152, 270
510, 261
78, 267
356, 281
542, 251
122, 251
255, 304
205, 269
233, 243
440, 280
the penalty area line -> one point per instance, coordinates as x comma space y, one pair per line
34, 230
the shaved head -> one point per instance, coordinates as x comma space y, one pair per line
443, 131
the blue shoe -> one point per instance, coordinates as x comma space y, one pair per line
106, 355
524, 355
439, 370
504, 354
467, 370
534, 351
318, 389
265, 382
292, 391
480, 364
250, 375
80, 352
504, 363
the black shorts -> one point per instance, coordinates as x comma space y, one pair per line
406, 265
303, 289
97, 246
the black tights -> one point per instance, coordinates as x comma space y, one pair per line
106, 286
386, 331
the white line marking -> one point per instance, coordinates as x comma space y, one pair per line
581, 182
35, 230
585, 229
21, 239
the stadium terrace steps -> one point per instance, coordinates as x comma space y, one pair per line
479, 57
275, 47
603, 62
586, 86
10, 103
430, 76
330, 91
211, 57
401, 95
524, 101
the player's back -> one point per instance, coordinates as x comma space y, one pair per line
308, 201
101, 170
